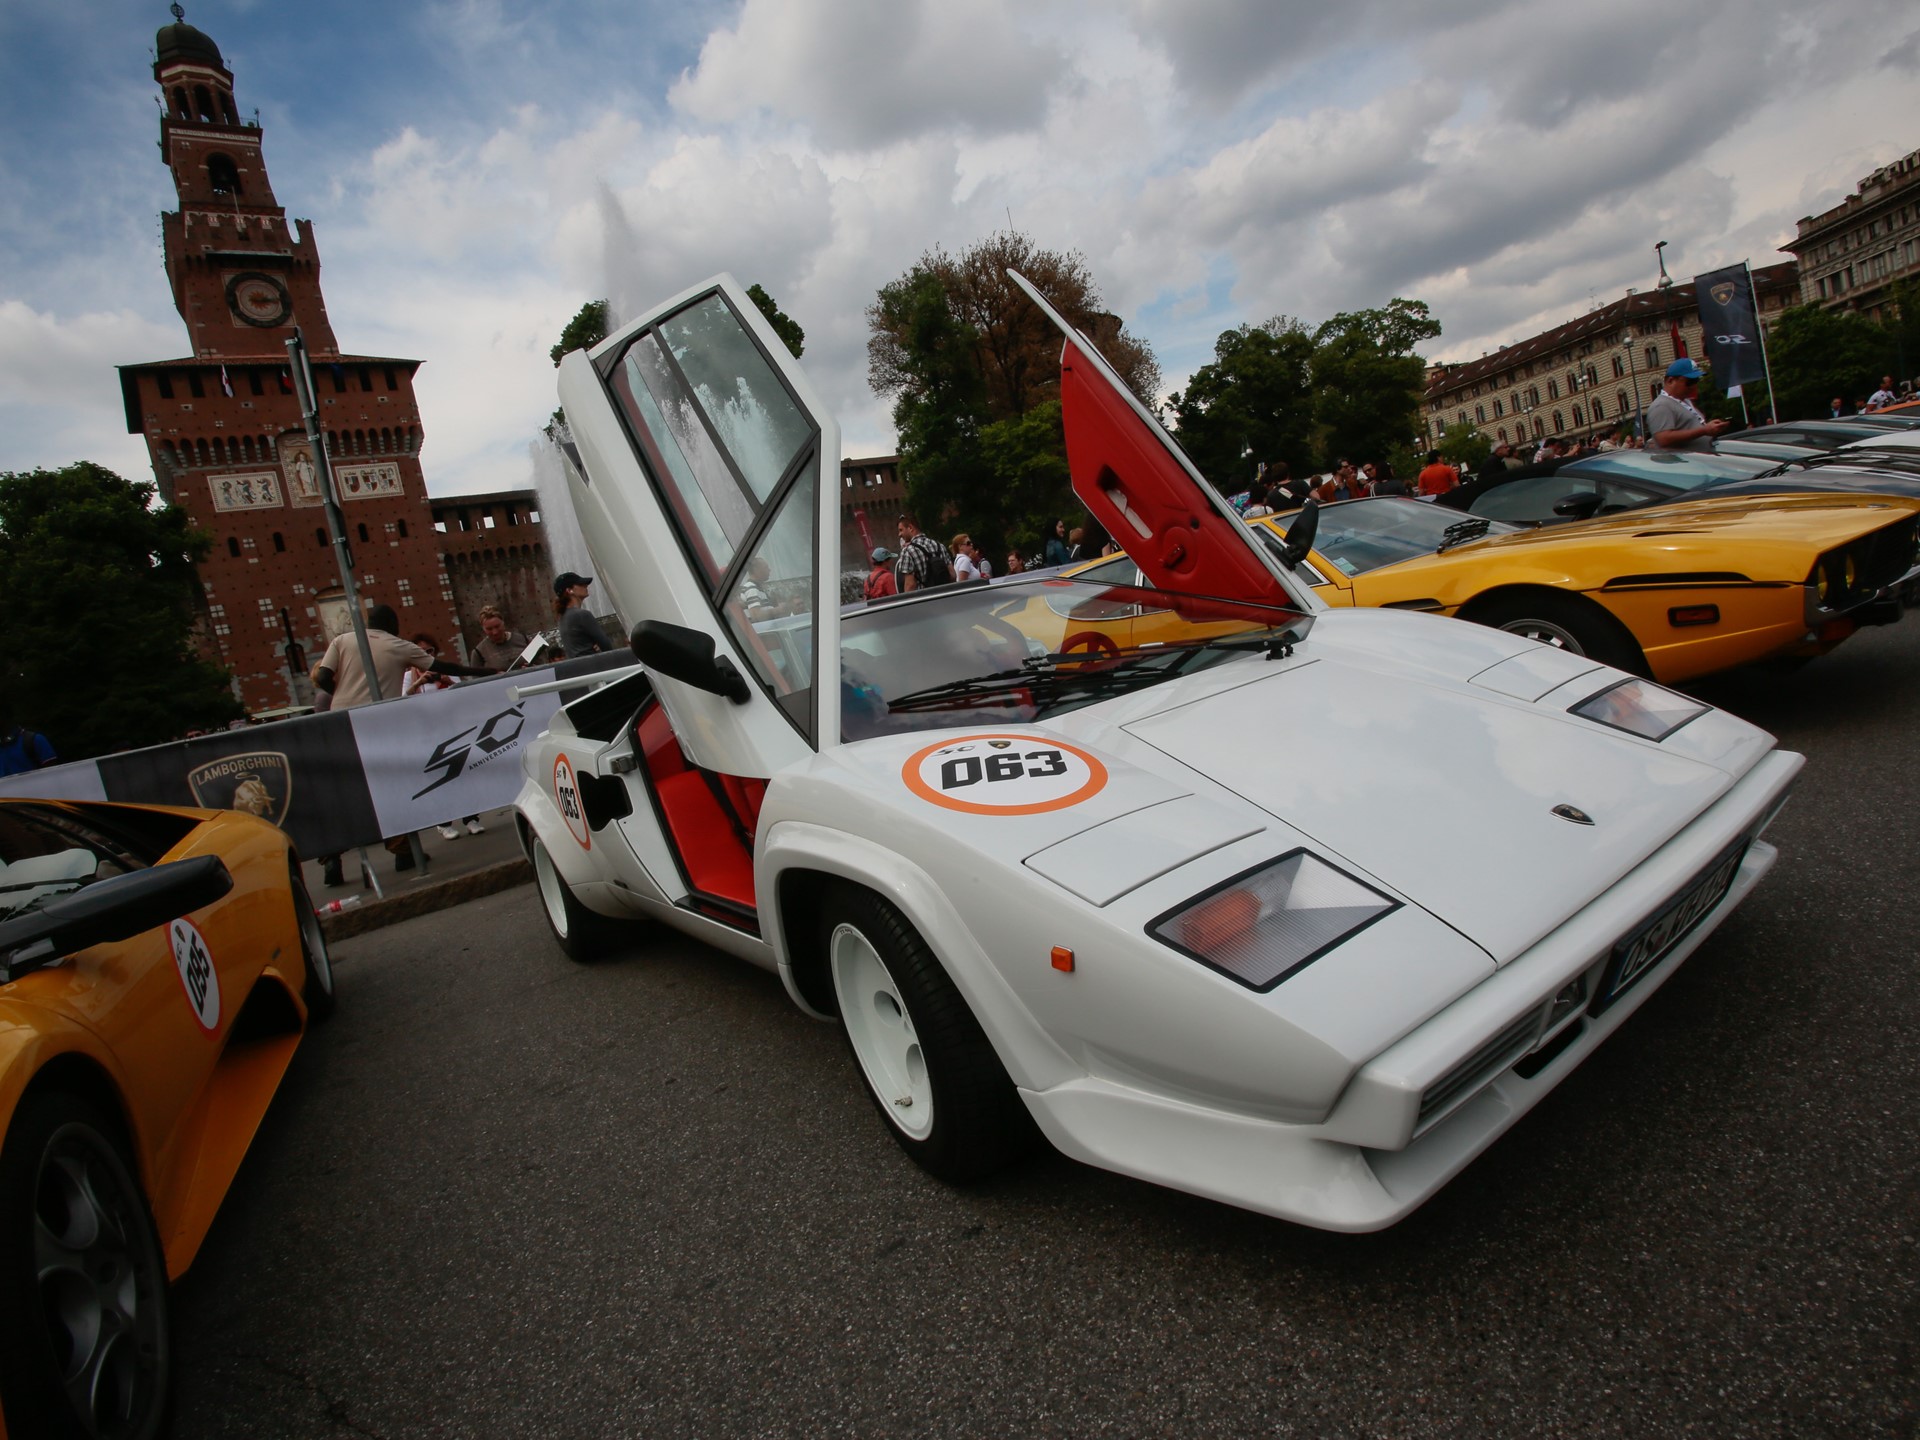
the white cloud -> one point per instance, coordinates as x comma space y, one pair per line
59, 397
867, 73
1216, 161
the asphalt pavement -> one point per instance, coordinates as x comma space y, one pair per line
502, 1194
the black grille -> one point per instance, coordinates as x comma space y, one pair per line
1478, 1068
1878, 560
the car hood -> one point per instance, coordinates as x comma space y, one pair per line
1819, 521
1444, 789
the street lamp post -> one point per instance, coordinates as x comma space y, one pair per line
1633, 378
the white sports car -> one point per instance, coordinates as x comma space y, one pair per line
1034, 845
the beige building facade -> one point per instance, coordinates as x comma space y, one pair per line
1590, 377
1852, 255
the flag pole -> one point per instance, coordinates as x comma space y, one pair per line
1773, 400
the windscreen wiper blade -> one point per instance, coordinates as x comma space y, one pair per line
1462, 531
1074, 673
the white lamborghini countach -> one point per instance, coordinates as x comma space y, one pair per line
1034, 844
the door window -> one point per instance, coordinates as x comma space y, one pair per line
732, 455
770, 610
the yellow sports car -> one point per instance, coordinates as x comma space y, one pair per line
158, 969
1672, 592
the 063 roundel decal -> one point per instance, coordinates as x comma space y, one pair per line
197, 975
566, 795
1003, 775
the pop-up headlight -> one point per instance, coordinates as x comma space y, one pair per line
1262, 926
1640, 707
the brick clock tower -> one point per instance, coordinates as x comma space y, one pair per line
225, 432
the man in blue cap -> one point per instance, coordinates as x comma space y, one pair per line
1674, 422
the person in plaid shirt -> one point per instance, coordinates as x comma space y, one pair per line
923, 561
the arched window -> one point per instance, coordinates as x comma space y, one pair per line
222, 175
182, 106
1577, 420
279, 543
201, 447
403, 528
320, 534
363, 534
1558, 423
233, 547
203, 104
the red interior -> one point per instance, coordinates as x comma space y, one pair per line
1125, 475
713, 832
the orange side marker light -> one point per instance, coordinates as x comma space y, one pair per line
1063, 959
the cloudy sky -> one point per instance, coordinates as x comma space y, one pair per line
475, 169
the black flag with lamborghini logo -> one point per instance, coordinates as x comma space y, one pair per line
1730, 325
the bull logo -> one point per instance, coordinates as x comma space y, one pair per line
1724, 292
259, 782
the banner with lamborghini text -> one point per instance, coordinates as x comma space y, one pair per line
1730, 326
346, 777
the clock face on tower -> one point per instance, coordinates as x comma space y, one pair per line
257, 299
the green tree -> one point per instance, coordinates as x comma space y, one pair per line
90, 565
1460, 444
791, 335
968, 360
1253, 402
1367, 380
586, 329
1818, 354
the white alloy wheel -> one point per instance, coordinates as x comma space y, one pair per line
881, 1031
551, 894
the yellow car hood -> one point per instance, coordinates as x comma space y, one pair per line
1793, 528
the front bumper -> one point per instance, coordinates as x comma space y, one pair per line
1491, 1056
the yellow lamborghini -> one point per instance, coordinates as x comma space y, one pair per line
1672, 592
158, 969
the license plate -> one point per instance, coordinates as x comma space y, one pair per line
1643, 949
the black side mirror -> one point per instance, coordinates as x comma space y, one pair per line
1579, 507
117, 908
1300, 535
686, 655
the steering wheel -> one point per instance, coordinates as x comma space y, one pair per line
1008, 648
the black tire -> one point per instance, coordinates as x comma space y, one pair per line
1576, 626
85, 1332
585, 935
316, 961
925, 1061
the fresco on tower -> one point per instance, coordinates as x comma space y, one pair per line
303, 480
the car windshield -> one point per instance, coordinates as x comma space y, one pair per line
1362, 535
46, 852
1672, 470
1023, 651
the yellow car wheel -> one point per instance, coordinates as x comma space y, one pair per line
315, 960
85, 1335
1562, 621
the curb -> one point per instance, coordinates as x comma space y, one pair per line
425, 899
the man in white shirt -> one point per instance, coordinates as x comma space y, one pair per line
1674, 422
1884, 396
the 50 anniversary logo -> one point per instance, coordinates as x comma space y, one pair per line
456, 753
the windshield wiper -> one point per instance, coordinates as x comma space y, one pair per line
1072, 673
1462, 531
